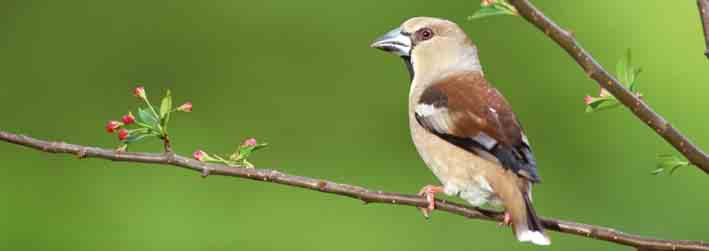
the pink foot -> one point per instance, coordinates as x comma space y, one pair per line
506, 220
429, 192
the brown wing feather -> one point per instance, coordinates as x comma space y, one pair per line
476, 106
467, 111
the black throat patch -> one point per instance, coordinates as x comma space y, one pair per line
409, 66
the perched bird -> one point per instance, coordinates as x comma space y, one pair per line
463, 128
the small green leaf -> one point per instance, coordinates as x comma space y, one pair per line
148, 118
242, 153
669, 162
245, 153
672, 171
657, 171
621, 70
629, 77
602, 103
486, 12
134, 138
166, 105
633, 84
165, 110
250, 149
627, 73
497, 8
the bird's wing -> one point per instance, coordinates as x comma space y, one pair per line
466, 111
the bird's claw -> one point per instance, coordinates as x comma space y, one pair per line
429, 192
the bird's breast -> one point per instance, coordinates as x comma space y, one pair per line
460, 172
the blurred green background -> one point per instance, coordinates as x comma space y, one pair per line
300, 75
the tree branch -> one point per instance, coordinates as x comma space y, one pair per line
642, 111
702, 5
360, 193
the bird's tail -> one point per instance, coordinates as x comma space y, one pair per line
529, 228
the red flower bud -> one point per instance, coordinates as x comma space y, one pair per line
128, 119
199, 155
186, 107
112, 125
587, 100
249, 142
122, 134
139, 92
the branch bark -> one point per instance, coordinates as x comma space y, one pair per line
356, 192
642, 111
703, 6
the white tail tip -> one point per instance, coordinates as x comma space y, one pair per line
535, 237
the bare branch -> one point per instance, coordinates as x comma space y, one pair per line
642, 111
360, 193
702, 5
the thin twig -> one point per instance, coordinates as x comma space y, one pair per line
702, 5
360, 193
166, 144
642, 111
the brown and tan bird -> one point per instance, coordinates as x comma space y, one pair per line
462, 127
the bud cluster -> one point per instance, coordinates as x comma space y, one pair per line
148, 122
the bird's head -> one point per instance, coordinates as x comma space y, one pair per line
431, 47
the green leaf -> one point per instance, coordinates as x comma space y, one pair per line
633, 84
627, 73
657, 171
497, 8
486, 12
242, 153
255, 147
633, 88
135, 138
602, 103
148, 118
672, 171
669, 162
166, 105
165, 110
628, 78
621, 70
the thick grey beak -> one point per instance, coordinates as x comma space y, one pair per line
394, 42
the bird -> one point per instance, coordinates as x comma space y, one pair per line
462, 127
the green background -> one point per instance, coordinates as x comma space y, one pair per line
300, 76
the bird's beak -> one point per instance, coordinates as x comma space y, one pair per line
395, 42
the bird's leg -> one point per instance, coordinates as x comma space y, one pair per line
429, 192
506, 220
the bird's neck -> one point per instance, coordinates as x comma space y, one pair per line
428, 68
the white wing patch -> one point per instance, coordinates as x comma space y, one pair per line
436, 117
485, 140
439, 120
425, 110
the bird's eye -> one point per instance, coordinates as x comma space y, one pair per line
424, 34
